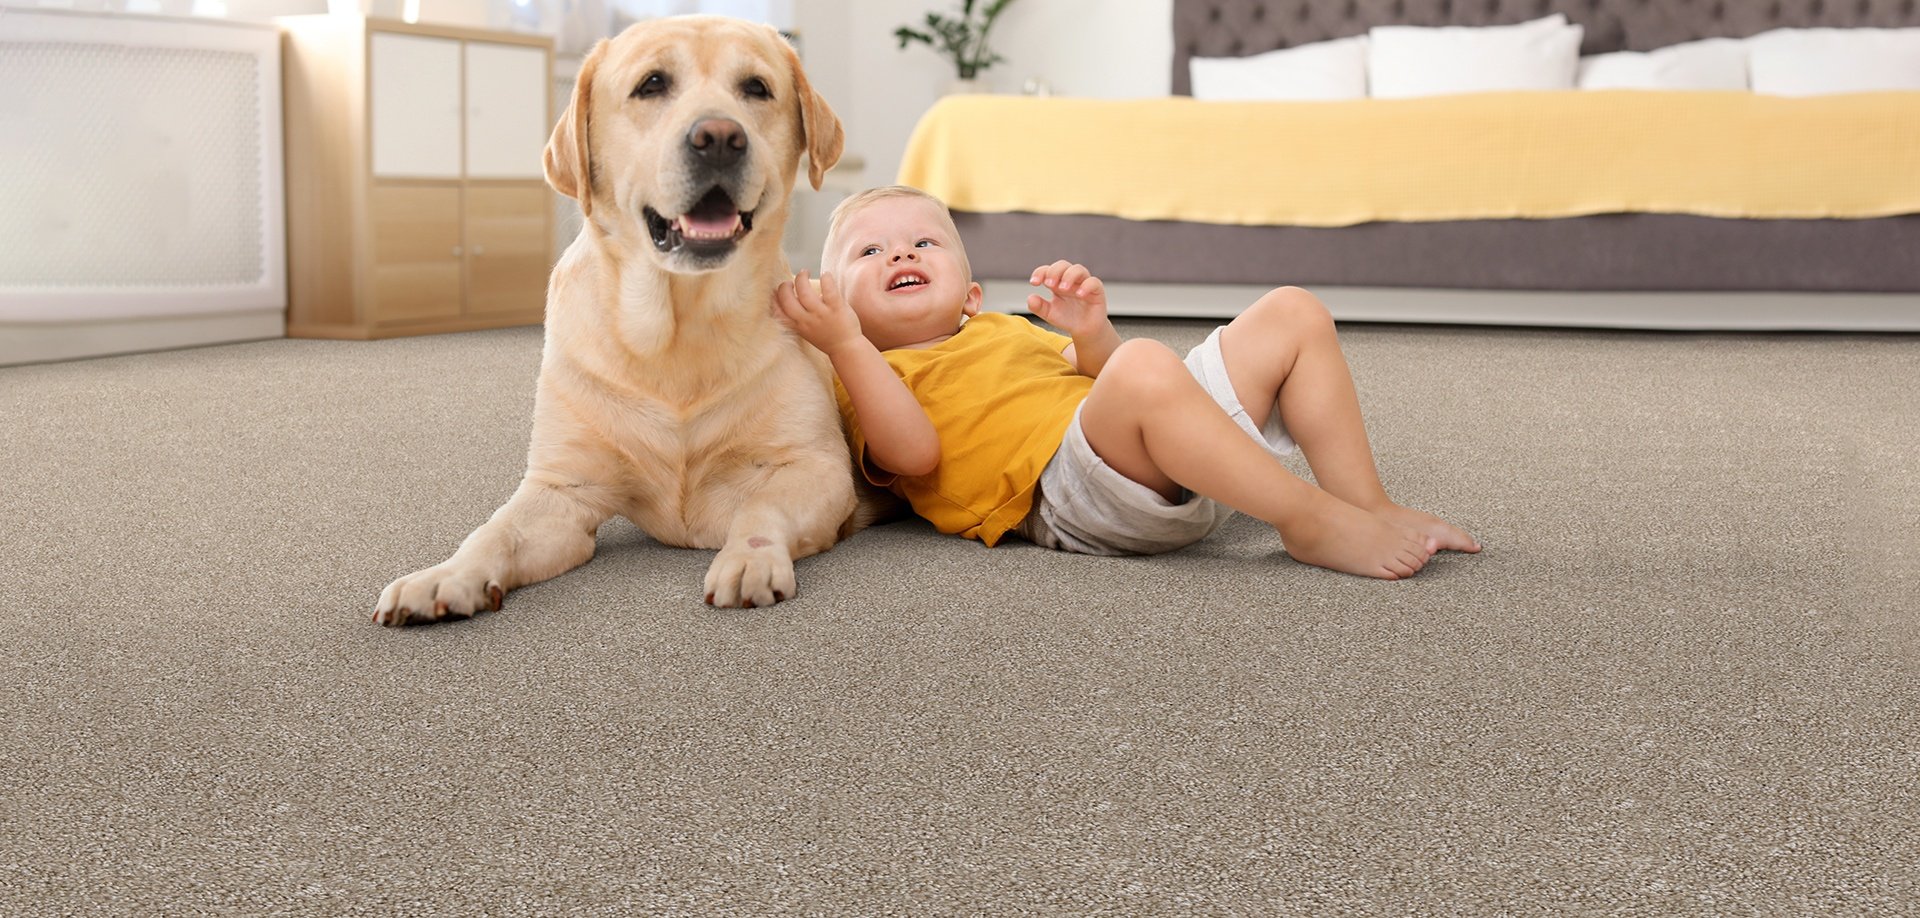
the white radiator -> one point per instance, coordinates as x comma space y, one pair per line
140, 183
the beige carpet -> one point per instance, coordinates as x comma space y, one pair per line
1680, 680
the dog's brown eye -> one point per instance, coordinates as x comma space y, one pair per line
653, 85
757, 88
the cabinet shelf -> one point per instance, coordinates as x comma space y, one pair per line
415, 203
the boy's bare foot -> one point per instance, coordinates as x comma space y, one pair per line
1342, 537
1444, 534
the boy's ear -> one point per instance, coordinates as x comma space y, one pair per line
566, 161
975, 296
824, 136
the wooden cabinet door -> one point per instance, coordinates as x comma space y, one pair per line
414, 88
507, 124
508, 245
416, 252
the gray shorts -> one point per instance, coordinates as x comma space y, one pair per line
1084, 506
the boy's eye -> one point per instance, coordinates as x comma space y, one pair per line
869, 250
923, 242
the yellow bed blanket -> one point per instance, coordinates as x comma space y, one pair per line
1462, 157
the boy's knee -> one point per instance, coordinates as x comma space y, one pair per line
1144, 366
1293, 306
1146, 356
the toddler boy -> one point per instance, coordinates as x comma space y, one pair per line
987, 424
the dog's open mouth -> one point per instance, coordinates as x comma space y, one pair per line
712, 225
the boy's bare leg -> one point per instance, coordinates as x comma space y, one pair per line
1283, 353
1151, 421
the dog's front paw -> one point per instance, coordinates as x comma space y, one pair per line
754, 573
438, 592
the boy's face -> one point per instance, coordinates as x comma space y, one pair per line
902, 270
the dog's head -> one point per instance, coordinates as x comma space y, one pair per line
687, 131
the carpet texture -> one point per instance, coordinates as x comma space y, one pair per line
1681, 679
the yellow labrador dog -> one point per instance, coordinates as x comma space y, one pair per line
668, 393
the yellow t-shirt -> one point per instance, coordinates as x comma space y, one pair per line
1000, 395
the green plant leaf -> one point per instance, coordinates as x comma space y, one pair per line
908, 36
962, 40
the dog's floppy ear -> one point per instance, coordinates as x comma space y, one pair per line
567, 163
825, 139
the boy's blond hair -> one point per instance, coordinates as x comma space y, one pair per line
848, 207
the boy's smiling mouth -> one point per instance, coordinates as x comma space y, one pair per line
906, 280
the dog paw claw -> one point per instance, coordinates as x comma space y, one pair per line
440, 592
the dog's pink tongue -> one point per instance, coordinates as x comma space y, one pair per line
699, 227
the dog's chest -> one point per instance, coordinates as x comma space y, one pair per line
677, 434
679, 437
684, 462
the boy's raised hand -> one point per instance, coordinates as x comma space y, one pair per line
821, 317
1079, 304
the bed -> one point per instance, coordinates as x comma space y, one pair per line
1666, 259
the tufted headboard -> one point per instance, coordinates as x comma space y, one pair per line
1236, 28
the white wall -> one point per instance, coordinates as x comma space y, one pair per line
1096, 48
1104, 49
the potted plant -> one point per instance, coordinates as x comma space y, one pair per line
963, 39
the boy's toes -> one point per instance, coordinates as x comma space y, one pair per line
1453, 538
1419, 546
1456, 541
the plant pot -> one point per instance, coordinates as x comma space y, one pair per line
975, 86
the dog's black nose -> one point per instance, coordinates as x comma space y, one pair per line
718, 141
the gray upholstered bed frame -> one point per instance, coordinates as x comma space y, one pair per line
1636, 270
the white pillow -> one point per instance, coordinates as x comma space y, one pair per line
1813, 62
1714, 63
1406, 61
1323, 70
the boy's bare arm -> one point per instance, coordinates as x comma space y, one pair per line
1078, 307
900, 436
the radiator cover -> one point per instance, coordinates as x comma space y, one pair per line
143, 168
